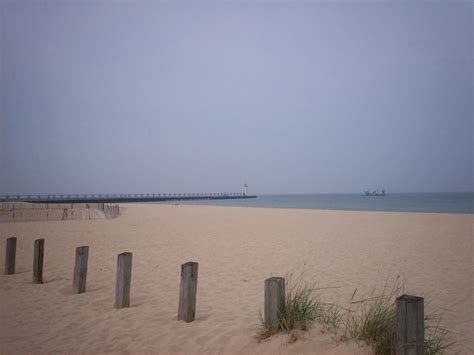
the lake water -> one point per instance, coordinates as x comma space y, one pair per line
403, 202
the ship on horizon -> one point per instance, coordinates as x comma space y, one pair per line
367, 192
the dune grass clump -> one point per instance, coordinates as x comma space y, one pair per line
375, 324
331, 317
303, 306
373, 321
300, 310
437, 338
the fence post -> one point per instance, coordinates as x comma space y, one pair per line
124, 276
38, 261
187, 292
10, 256
274, 301
80, 270
410, 325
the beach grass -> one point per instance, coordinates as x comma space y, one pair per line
303, 306
372, 321
437, 337
300, 310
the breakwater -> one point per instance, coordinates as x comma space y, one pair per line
122, 198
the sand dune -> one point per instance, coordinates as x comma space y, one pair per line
237, 248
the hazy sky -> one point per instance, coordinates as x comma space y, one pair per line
149, 96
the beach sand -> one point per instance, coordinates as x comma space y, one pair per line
237, 249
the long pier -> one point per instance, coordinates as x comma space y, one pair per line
122, 198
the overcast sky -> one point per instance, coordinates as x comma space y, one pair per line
149, 96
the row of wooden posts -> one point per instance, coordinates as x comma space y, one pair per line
409, 309
188, 285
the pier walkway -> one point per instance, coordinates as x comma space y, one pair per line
122, 198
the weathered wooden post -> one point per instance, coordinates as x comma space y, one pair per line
80, 270
38, 261
10, 256
124, 276
274, 302
187, 292
410, 331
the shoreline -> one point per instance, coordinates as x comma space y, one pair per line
298, 209
452, 203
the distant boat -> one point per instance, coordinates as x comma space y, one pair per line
367, 192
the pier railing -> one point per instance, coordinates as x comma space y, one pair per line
76, 198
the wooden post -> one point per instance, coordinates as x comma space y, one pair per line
10, 256
187, 292
80, 270
38, 261
410, 330
124, 276
274, 302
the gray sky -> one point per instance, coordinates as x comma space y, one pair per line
148, 96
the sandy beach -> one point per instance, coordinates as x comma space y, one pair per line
237, 249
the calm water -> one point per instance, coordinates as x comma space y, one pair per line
407, 202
